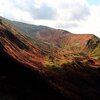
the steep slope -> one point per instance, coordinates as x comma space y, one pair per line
17, 46
36, 65
21, 68
19, 82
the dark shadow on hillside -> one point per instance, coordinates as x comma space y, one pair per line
20, 83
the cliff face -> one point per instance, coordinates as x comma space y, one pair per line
54, 65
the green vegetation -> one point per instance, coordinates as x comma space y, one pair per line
54, 62
96, 52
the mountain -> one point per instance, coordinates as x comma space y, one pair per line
46, 63
66, 44
43, 33
60, 38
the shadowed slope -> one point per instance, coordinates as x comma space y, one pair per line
20, 83
29, 69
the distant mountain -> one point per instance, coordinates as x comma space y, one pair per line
39, 62
41, 32
28, 28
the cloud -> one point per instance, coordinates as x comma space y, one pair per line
81, 13
74, 15
74, 10
44, 12
17, 9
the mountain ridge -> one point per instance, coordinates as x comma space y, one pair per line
73, 74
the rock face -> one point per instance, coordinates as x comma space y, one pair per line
53, 64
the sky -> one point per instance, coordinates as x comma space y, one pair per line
76, 16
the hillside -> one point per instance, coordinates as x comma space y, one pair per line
43, 33
60, 38
64, 45
48, 68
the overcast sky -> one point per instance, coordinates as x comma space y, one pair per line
77, 16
